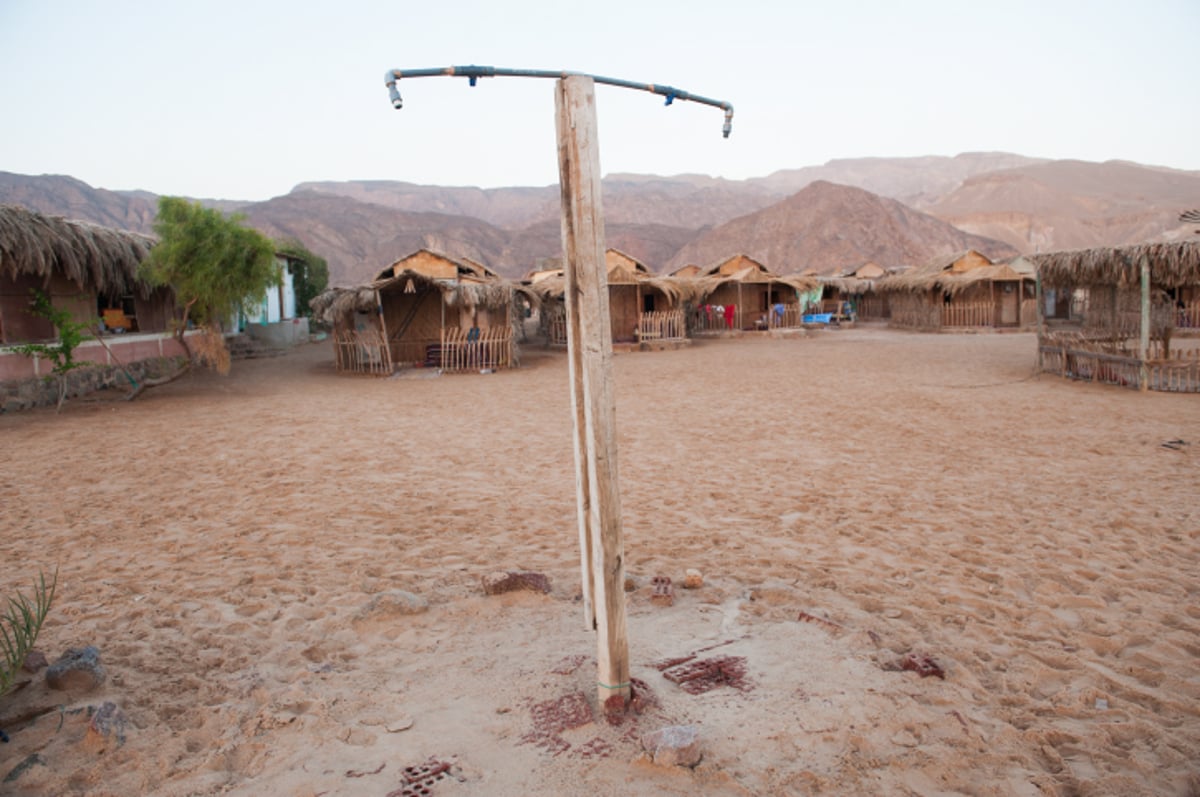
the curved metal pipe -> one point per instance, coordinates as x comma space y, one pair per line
473, 73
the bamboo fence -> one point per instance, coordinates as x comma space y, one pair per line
476, 349
968, 314
785, 316
362, 352
662, 325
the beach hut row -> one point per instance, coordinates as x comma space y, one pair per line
474, 321
432, 310
963, 290
735, 295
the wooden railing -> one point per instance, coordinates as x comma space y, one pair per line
785, 316
662, 325
476, 349
1079, 356
968, 314
1179, 373
708, 318
364, 352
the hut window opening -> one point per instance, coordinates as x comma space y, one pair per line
648, 303
117, 313
946, 297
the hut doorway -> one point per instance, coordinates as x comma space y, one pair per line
1010, 303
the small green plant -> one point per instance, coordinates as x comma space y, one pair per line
62, 352
19, 627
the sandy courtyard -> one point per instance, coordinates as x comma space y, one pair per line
233, 545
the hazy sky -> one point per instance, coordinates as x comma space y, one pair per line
245, 99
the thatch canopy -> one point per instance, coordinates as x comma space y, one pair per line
745, 269
850, 286
1172, 265
434, 264
951, 274
88, 254
553, 285
464, 291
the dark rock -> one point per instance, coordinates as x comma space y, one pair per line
674, 746
497, 583
79, 669
35, 661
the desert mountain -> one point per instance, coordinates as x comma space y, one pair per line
57, 195
361, 226
689, 201
1072, 204
913, 181
360, 238
827, 226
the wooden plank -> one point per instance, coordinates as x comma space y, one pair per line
590, 365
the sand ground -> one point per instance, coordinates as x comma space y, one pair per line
221, 541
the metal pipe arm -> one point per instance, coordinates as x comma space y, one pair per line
473, 73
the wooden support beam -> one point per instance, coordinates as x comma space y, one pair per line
1144, 337
1040, 302
589, 343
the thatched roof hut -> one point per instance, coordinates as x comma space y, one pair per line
1126, 306
425, 309
949, 273
755, 293
91, 256
641, 305
85, 269
964, 289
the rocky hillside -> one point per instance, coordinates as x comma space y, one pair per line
1027, 203
827, 226
58, 195
1072, 204
360, 238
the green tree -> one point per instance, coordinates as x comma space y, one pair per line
310, 273
215, 266
70, 334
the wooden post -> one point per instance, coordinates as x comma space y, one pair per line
384, 330
1040, 301
1144, 338
589, 343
